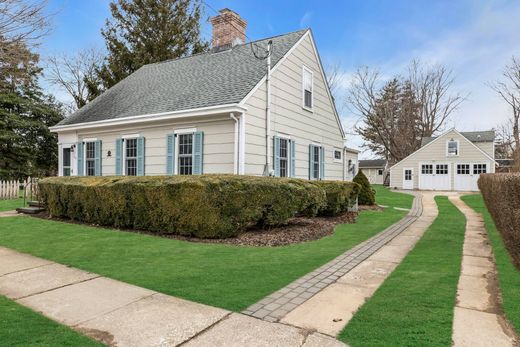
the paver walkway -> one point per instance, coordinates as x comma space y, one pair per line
9, 214
315, 301
121, 314
330, 310
476, 322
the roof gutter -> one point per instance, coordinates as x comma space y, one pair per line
152, 117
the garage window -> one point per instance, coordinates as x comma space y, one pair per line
441, 169
479, 169
453, 147
427, 169
407, 175
463, 169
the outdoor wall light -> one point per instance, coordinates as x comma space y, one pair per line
72, 148
109, 154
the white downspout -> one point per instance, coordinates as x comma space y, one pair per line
267, 169
235, 145
242, 145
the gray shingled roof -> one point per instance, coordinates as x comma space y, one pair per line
473, 136
203, 80
374, 163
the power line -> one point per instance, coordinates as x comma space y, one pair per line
251, 43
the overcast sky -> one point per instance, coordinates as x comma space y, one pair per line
475, 39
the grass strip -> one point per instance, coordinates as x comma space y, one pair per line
508, 274
414, 306
387, 197
20, 326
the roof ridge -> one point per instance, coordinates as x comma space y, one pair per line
239, 45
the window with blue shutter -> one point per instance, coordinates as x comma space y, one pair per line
119, 157
170, 154
322, 163
97, 158
198, 144
140, 156
79, 148
293, 158
276, 156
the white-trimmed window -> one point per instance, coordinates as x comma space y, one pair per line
441, 169
307, 87
463, 169
337, 155
426, 169
452, 148
284, 157
380, 172
90, 158
185, 154
130, 156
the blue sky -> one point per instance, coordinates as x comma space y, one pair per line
474, 38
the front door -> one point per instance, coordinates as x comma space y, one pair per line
407, 178
66, 162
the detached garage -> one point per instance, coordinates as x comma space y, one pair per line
452, 161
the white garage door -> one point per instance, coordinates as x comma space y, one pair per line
466, 176
434, 176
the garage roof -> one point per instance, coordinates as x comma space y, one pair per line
473, 136
374, 163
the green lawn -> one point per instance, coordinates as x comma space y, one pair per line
19, 326
414, 306
11, 204
220, 275
387, 197
508, 274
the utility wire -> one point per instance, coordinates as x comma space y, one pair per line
251, 43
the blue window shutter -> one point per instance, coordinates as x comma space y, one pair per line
293, 158
79, 148
170, 152
119, 157
322, 163
276, 156
198, 145
311, 161
97, 158
140, 156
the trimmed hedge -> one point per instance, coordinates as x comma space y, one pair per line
501, 194
207, 206
340, 196
367, 195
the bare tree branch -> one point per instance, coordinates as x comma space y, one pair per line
74, 73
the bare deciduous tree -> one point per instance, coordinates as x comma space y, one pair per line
73, 74
505, 142
23, 20
334, 77
431, 86
509, 90
393, 127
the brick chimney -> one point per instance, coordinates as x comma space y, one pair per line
229, 29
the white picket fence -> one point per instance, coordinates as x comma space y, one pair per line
15, 189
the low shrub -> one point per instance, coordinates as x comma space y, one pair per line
501, 193
340, 196
208, 206
367, 195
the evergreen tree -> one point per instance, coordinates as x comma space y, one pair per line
147, 31
367, 195
26, 145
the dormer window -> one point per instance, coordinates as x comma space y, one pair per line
307, 84
453, 148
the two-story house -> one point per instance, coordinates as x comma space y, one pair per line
234, 109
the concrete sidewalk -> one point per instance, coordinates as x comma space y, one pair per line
477, 320
121, 314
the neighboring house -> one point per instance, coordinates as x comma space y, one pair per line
374, 169
215, 112
351, 162
451, 161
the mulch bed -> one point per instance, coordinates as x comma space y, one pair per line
299, 229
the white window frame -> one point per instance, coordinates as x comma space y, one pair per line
125, 141
183, 131
60, 154
340, 160
448, 148
319, 146
304, 70
85, 141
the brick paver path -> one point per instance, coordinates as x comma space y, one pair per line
280, 303
476, 322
